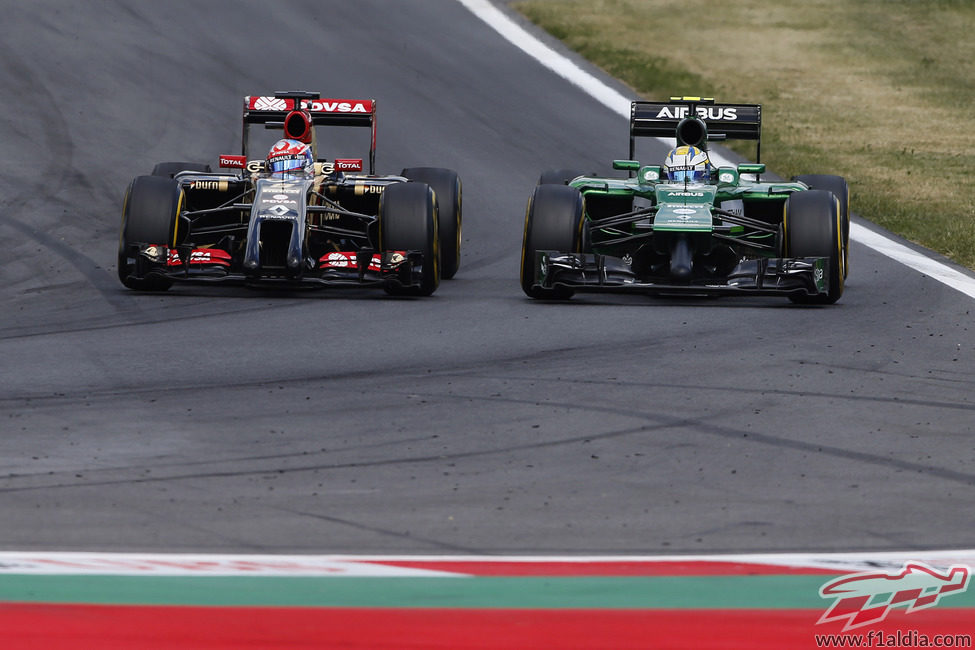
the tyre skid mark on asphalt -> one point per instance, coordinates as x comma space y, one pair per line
156, 466
952, 475
750, 436
63, 397
419, 370
427, 458
880, 399
51, 182
170, 313
454, 548
699, 425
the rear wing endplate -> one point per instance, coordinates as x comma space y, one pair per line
724, 121
271, 111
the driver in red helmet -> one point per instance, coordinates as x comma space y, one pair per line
288, 158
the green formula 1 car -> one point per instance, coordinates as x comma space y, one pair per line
687, 226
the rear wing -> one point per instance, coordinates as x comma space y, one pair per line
271, 111
723, 121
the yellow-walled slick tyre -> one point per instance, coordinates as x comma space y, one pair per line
838, 186
447, 188
813, 228
553, 221
150, 215
408, 222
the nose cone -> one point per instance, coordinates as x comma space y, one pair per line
681, 262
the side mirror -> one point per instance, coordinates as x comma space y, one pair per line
751, 168
626, 165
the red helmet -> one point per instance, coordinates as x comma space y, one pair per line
290, 156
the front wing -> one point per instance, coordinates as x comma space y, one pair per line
335, 269
603, 273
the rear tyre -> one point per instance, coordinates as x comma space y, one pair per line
447, 188
813, 229
170, 169
408, 222
553, 221
150, 215
558, 176
838, 187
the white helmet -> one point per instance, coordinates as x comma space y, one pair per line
687, 163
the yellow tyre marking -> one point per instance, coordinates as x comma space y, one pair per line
179, 211
785, 229
839, 242
524, 241
582, 220
459, 191
436, 239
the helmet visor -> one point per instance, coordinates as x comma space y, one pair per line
287, 163
689, 175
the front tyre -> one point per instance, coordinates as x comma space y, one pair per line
408, 222
447, 188
813, 228
553, 222
150, 215
838, 187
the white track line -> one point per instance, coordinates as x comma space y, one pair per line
620, 104
913, 259
366, 566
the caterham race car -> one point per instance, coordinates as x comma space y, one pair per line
687, 226
292, 218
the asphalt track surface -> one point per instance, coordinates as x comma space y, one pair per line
475, 421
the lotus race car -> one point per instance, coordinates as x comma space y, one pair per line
328, 224
730, 233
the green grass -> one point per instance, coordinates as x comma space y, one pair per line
878, 91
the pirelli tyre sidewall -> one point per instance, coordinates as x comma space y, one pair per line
448, 191
813, 228
170, 169
558, 176
408, 222
553, 221
150, 215
838, 186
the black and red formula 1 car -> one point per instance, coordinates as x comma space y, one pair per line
291, 218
